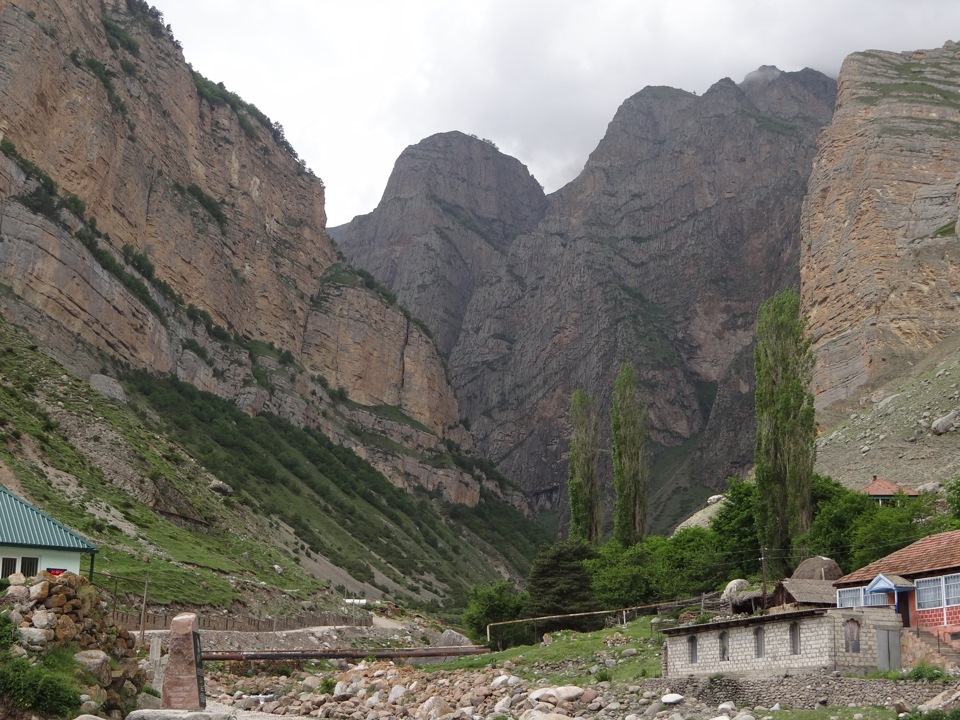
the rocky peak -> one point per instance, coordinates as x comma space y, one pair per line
682, 221
451, 208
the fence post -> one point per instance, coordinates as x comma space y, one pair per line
143, 610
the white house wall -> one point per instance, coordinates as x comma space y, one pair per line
58, 559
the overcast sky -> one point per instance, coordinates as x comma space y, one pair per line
354, 82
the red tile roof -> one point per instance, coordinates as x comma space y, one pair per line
884, 488
927, 555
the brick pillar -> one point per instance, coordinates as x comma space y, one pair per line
183, 677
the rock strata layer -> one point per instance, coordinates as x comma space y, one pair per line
879, 257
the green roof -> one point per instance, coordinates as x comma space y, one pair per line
23, 525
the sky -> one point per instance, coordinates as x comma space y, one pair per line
354, 82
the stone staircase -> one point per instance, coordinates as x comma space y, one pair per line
941, 640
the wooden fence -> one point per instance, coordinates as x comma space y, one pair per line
131, 621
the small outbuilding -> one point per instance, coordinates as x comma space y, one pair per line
883, 491
31, 540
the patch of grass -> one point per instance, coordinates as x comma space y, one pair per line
118, 37
212, 206
568, 659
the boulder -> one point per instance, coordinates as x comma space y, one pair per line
433, 708
945, 423
397, 692
672, 699
97, 663
451, 638
35, 636
221, 488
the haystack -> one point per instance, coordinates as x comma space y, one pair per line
818, 568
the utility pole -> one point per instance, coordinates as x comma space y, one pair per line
763, 592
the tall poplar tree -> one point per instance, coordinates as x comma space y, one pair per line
583, 484
628, 431
784, 454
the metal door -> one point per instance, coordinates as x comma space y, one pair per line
888, 649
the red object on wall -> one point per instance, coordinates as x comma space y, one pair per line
56, 571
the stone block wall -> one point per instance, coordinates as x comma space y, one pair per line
821, 646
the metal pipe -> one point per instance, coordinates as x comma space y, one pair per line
451, 651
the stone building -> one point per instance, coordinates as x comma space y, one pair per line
847, 639
31, 540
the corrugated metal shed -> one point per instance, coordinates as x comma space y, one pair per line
23, 525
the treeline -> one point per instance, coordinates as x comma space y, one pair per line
576, 576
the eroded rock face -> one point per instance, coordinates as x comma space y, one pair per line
879, 260
222, 211
683, 220
451, 208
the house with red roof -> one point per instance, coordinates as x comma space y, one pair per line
884, 490
922, 581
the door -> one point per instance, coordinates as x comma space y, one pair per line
888, 649
903, 605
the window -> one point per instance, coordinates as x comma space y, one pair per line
850, 597
951, 586
692, 648
29, 565
929, 593
758, 648
795, 638
8, 566
851, 636
876, 598
724, 645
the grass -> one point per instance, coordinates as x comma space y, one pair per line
568, 659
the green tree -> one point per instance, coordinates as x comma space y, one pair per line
735, 526
583, 485
559, 584
621, 576
890, 527
497, 602
836, 511
953, 496
630, 467
784, 453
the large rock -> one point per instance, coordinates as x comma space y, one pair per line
97, 663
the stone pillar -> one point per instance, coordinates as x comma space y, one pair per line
183, 677
157, 662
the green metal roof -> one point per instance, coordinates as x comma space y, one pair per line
23, 525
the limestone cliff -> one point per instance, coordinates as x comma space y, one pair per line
879, 257
683, 220
184, 236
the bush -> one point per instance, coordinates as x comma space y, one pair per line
208, 204
926, 671
34, 688
496, 603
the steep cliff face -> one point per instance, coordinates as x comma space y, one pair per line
683, 220
184, 236
879, 260
451, 208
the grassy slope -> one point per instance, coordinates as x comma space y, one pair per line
106, 469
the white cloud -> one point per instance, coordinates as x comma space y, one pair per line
353, 83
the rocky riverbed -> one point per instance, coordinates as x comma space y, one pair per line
382, 691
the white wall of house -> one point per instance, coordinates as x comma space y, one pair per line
46, 558
821, 645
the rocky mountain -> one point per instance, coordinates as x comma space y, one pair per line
684, 219
152, 220
880, 244
451, 209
